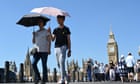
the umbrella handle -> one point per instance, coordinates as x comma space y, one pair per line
33, 28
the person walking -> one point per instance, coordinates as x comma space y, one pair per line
89, 69
96, 71
42, 39
107, 72
112, 71
137, 71
117, 74
122, 68
102, 72
130, 62
61, 35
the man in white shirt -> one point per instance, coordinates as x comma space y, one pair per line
130, 62
102, 72
42, 40
96, 71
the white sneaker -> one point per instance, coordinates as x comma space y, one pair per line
61, 82
66, 82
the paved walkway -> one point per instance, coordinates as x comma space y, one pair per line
83, 83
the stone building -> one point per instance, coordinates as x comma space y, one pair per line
12, 66
7, 75
28, 70
77, 73
73, 70
112, 48
1, 75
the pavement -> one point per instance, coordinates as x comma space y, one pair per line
110, 82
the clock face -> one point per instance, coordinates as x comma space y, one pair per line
112, 49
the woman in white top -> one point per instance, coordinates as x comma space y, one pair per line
42, 40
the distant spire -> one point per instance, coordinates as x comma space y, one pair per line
77, 63
27, 61
27, 56
111, 35
111, 32
28, 51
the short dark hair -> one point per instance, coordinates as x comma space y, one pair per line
44, 22
61, 16
129, 53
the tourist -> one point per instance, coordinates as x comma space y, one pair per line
137, 71
112, 71
96, 71
89, 70
43, 41
130, 62
107, 72
61, 35
122, 68
102, 72
117, 74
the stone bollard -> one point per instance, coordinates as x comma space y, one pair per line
6, 72
21, 73
55, 75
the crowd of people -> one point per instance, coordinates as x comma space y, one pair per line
127, 69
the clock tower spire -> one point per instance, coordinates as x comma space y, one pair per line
112, 48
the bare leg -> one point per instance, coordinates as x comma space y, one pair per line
122, 79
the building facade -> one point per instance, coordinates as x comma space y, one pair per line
28, 69
112, 49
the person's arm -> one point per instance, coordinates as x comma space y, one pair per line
52, 35
49, 43
69, 45
33, 40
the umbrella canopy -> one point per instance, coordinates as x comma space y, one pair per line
50, 11
31, 20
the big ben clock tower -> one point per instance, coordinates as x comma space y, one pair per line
112, 49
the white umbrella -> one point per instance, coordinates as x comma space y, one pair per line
51, 11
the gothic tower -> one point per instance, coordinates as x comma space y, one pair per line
112, 49
28, 66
